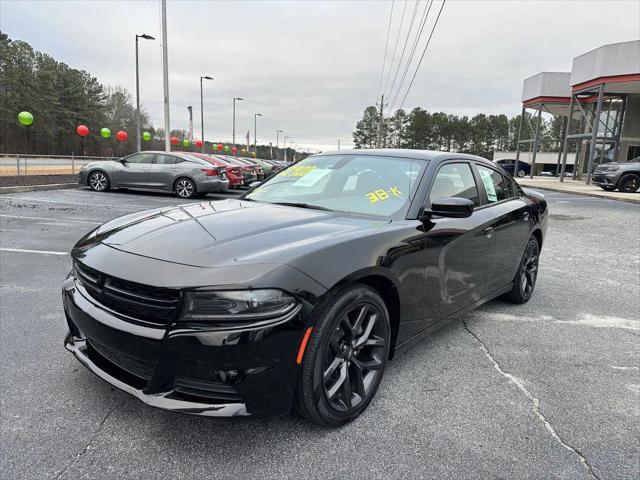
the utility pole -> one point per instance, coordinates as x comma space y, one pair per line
278, 132
379, 142
255, 132
205, 77
234, 119
165, 75
338, 144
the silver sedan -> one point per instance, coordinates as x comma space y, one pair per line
183, 174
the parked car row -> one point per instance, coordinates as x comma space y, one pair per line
187, 174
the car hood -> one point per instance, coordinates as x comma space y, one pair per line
231, 232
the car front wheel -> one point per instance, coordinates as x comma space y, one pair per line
630, 183
185, 188
345, 357
99, 182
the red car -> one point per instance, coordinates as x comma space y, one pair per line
249, 173
234, 172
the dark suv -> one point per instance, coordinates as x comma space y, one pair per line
624, 176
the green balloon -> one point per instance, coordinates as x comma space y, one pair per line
146, 136
186, 142
25, 118
227, 148
105, 132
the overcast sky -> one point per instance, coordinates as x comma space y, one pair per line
312, 67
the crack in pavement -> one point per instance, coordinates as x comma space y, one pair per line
93, 437
534, 401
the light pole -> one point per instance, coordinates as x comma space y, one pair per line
338, 144
284, 146
206, 77
255, 132
138, 126
234, 118
278, 132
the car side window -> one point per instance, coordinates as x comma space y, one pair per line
138, 158
455, 180
163, 159
495, 185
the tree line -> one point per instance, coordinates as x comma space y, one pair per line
480, 135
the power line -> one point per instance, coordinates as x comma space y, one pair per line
404, 48
395, 48
386, 46
423, 52
423, 22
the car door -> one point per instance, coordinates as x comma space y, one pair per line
162, 172
504, 200
460, 251
135, 170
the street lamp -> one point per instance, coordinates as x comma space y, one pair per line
234, 118
278, 132
284, 146
138, 126
255, 132
206, 77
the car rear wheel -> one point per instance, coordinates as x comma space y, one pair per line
629, 183
185, 188
521, 173
345, 357
525, 280
99, 182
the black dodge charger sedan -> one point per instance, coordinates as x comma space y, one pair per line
296, 295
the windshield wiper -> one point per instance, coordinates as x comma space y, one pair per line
303, 205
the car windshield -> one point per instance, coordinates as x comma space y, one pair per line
364, 184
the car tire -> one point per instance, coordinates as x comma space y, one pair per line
185, 188
524, 281
629, 183
521, 173
345, 357
607, 188
98, 181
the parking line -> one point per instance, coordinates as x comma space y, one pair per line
49, 219
21, 250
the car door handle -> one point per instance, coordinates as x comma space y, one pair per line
488, 232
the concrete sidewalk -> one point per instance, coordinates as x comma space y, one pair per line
577, 187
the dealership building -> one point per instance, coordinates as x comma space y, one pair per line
599, 102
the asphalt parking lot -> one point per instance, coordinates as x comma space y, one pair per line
549, 389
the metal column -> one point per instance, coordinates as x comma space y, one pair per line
515, 166
566, 139
594, 134
535, 141
563, 133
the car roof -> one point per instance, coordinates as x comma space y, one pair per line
431, 155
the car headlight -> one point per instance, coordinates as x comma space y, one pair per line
241, 305
613, 169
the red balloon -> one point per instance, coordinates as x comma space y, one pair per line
234, 150
82, 130
220, 146
174, 140
121, 135
199, 143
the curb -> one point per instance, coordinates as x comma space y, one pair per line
36, 188
586, 194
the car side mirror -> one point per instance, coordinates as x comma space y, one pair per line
255, 184
452, 207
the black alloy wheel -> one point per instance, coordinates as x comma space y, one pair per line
345, 358
525, 279
99, 182
629, 183
185, 188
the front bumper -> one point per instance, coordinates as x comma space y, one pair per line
192, 369
605, 178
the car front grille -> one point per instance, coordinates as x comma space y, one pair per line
150, 304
